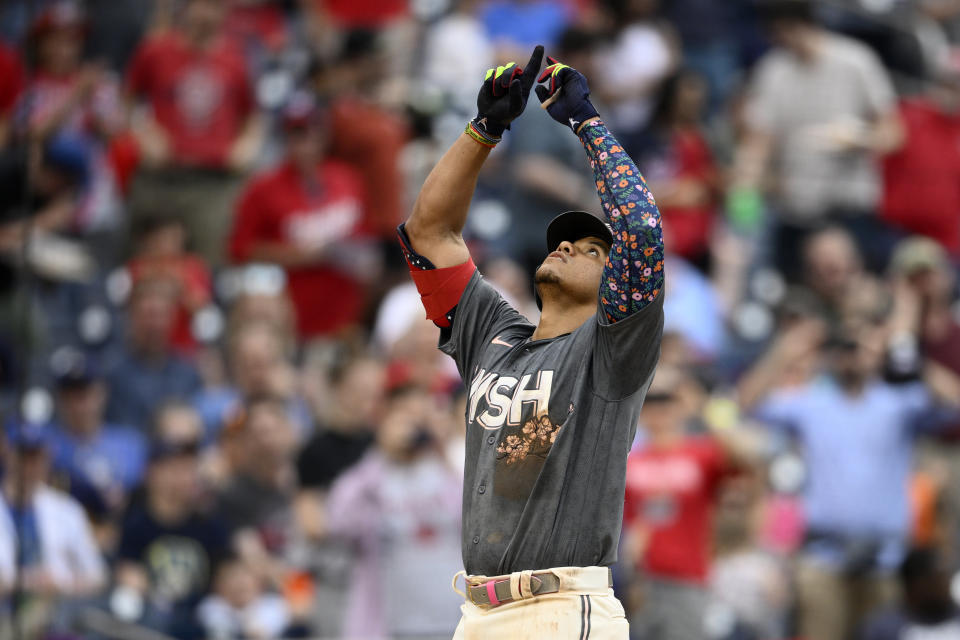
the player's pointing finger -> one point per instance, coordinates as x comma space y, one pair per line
533, 67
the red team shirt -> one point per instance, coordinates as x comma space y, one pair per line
922, 180
278, 207
672, 492
257, 25
688, 229
201, 98
686, 156
192, 277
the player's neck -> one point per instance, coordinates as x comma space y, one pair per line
556, 320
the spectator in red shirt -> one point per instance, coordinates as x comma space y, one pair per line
202, 129
309, 216
672, 490
68, 98
260, 29
680, 167
161, 253
922, 179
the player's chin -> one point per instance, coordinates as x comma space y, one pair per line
546, 274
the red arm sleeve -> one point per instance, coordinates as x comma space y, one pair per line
440, 289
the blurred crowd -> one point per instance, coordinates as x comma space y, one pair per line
224, 412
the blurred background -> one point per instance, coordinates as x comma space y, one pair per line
224, 412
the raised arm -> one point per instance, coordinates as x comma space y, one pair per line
440, 212
633, 273
793, 346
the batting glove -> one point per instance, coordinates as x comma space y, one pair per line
503, 98
564, 92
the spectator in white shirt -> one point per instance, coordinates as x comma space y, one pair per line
44, 533
821, 108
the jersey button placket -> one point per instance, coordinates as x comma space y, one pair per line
491, 439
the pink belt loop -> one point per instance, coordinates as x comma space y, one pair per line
492, 592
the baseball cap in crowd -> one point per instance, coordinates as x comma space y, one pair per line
61, 15
73, 369
575, 225
302, 110
28, 436
918, 253
70, 155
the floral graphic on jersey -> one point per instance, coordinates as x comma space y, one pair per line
514, 448
535, 437
633, 273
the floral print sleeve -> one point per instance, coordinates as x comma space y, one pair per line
633, 274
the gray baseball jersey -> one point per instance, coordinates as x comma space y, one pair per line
549, 427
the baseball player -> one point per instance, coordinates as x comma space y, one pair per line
552, 408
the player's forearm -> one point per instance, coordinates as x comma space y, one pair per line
606, 197
627, 200
440, 211
633, 275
